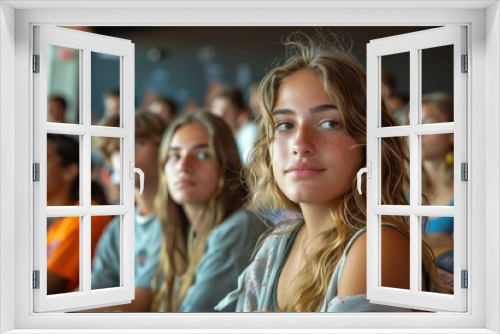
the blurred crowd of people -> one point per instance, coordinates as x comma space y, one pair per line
244, 203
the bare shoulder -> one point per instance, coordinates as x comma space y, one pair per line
395, 263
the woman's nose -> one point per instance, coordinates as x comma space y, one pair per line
185, 163
303, 141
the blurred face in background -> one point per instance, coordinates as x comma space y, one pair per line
146, 158
162, 109
192, 170
437, 145
226, 110
59, 178
56, 112
111, 105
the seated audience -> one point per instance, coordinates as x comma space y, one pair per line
208, 236
63, 234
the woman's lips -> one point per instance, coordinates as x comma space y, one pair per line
184, 184
303, 169
304, 173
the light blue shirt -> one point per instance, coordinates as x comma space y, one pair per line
106, 263
228, 252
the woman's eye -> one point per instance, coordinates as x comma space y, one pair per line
174, 157
202, 155
283, 126
330, 125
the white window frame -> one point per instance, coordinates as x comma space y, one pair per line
16, 21
85, 43
414, 43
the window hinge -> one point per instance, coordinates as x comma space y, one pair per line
36, 172
464, 171
36, 63
36, 279
465, 64
465, 279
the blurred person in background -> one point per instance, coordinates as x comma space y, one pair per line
438, 183
56, 109
396, 102
63, 234
229, 104
164, 107
208, 236
149, 129
111, 102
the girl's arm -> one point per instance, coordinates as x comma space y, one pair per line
395, 263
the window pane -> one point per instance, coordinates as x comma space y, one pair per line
63, 254
395, 254
437, 169
437, 90
393, 162
63, 85
105, 91
106, 251
396, 85
438, 238
106, 171
63, 172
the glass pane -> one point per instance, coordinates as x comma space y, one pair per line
63, 176
396, 85
437, 169
106, 169
105, 91
395, 256
106, 252
437, 90
63, 254
63, 80
395, 159
438, 240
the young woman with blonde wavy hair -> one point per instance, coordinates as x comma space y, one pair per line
311, 144
208, 237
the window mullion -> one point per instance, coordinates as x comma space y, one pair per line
415, 170
85, 167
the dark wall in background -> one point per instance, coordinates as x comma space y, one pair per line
181, 62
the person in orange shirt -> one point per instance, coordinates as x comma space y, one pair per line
63, 234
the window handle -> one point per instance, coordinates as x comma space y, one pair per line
133, 170
368, 171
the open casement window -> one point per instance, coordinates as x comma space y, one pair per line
62, 59
418, 47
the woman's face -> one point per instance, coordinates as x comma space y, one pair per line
314, 158
192, 171
434, 146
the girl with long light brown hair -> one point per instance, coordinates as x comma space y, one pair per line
208, 236
311, 144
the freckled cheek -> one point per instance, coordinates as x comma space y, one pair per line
344, 148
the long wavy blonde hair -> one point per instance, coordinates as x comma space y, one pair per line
181, 251
344, 80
